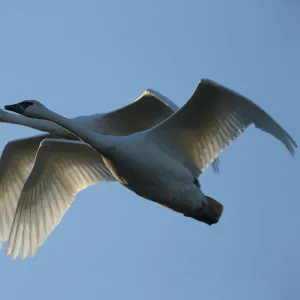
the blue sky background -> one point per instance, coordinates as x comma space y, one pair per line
82, 57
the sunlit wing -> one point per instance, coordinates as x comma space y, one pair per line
15, 165
61, 169
150, 109
214, 115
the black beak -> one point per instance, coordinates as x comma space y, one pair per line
14, 107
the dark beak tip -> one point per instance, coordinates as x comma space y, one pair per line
9, 107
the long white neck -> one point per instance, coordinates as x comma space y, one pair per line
41, 125
97, 141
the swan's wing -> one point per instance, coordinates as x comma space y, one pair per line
150, 109
157, 96
216, 163
160, 97
61, 169
214, 115
15, 165
145, 112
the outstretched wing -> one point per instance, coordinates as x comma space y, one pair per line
204, 126
145, 112
61, 169
150, 109
15, 165
216, 163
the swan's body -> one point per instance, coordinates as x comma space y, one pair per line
161, 163
152, 173
18, 156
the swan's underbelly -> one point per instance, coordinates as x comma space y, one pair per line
161, 183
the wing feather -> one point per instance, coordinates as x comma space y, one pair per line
61, 169
150, 109
215, 115
15, 165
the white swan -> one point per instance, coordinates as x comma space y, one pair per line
18, 156
160, 164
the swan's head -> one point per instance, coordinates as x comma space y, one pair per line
28, 108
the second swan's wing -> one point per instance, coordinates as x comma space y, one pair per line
61, 169
150, 109
15, 165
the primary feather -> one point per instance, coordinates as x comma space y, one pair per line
50, 189
214, 115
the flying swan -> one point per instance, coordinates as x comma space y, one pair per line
161, 164
18, 156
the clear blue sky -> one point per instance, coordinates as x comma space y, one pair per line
82, 57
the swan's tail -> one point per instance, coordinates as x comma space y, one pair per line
208, 214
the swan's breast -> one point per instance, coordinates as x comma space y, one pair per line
152, 174
138, 159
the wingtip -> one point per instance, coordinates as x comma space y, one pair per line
9, 247
33, 252
216, 168
294, 144
291, 146
293, 154
7, 252
15, 254
23, 257
12, 252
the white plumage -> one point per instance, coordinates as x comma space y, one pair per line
18, 156
160, 164
61, 169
